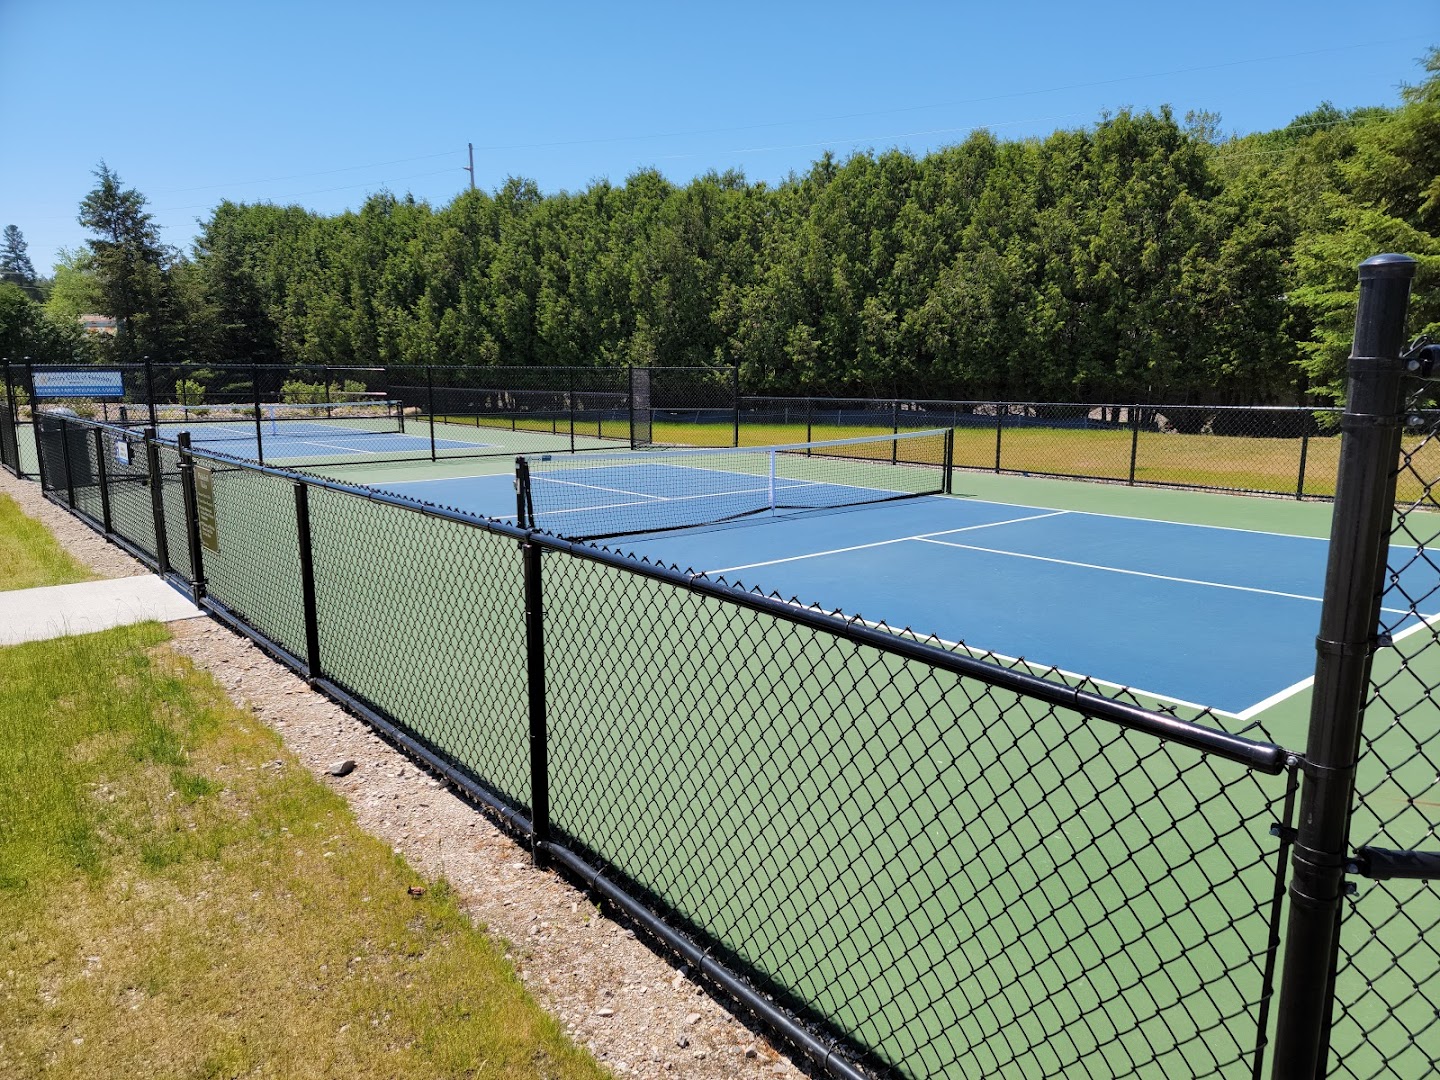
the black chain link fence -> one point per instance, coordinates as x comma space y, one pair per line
903, 859
1386, 1020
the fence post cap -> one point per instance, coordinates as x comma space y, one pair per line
1389, 265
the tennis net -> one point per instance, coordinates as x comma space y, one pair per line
289, 420
599, 495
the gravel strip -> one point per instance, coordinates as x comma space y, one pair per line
633, 1009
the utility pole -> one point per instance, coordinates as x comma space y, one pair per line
471, 167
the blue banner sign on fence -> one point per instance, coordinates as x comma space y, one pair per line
91, 383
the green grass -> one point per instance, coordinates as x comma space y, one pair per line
179, 898
29, 555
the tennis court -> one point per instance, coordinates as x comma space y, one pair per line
1184, 612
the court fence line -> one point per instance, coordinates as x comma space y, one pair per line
472, 411
842, 853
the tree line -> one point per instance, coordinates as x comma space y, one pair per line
1141, 258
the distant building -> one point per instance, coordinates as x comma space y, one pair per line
97, 324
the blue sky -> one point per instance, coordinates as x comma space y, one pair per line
322, 104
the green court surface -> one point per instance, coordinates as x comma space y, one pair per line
965, 881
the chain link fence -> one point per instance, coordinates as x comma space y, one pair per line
906, 860
1386, 1021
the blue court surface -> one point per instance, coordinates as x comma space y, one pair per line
1192, 614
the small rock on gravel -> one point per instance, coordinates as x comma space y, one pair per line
342, 768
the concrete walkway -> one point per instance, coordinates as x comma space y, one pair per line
63, 610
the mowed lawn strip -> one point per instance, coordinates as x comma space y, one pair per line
178, 897
29, 555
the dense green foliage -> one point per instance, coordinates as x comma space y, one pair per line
1140, 258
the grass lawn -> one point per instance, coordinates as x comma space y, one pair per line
179, 898
29, 555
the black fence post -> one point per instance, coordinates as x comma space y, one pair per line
192, 519
157, 503
1000, 408
65, 460
1304, 453
735, 392
307, 581
572, 408
1349, 616
102, 477
1134, 440
150, 393
430, 404
255, 397
535, 674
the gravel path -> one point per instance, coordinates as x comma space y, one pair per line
630, 1007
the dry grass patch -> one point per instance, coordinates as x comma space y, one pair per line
178, 898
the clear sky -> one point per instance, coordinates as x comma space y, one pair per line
322, 103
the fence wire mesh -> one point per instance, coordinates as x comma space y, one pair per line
960, 880
1386, 1019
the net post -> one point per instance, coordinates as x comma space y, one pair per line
809, 419
1349, 616
535, 679
524, 506
1304, 453
1134, 440
102, 477
192, 518
430, 400
307, 581
949, 463
772, 455
259, 427
157, 503
1000, 410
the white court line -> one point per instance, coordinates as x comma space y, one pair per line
1425, 622
1142, 573
983, 654
883, 543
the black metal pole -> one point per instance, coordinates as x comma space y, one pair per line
1349, 615
949, 464
999, 431
430, 398
307, 582
735, 392
535, 673
102, 477
192, 519
572, 409
1134, 440
157, 503
255, 395
1304, 452
65, 460
150, 393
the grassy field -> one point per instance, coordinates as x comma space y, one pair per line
178, 898
29, 555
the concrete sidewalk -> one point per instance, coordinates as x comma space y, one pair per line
64, 610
